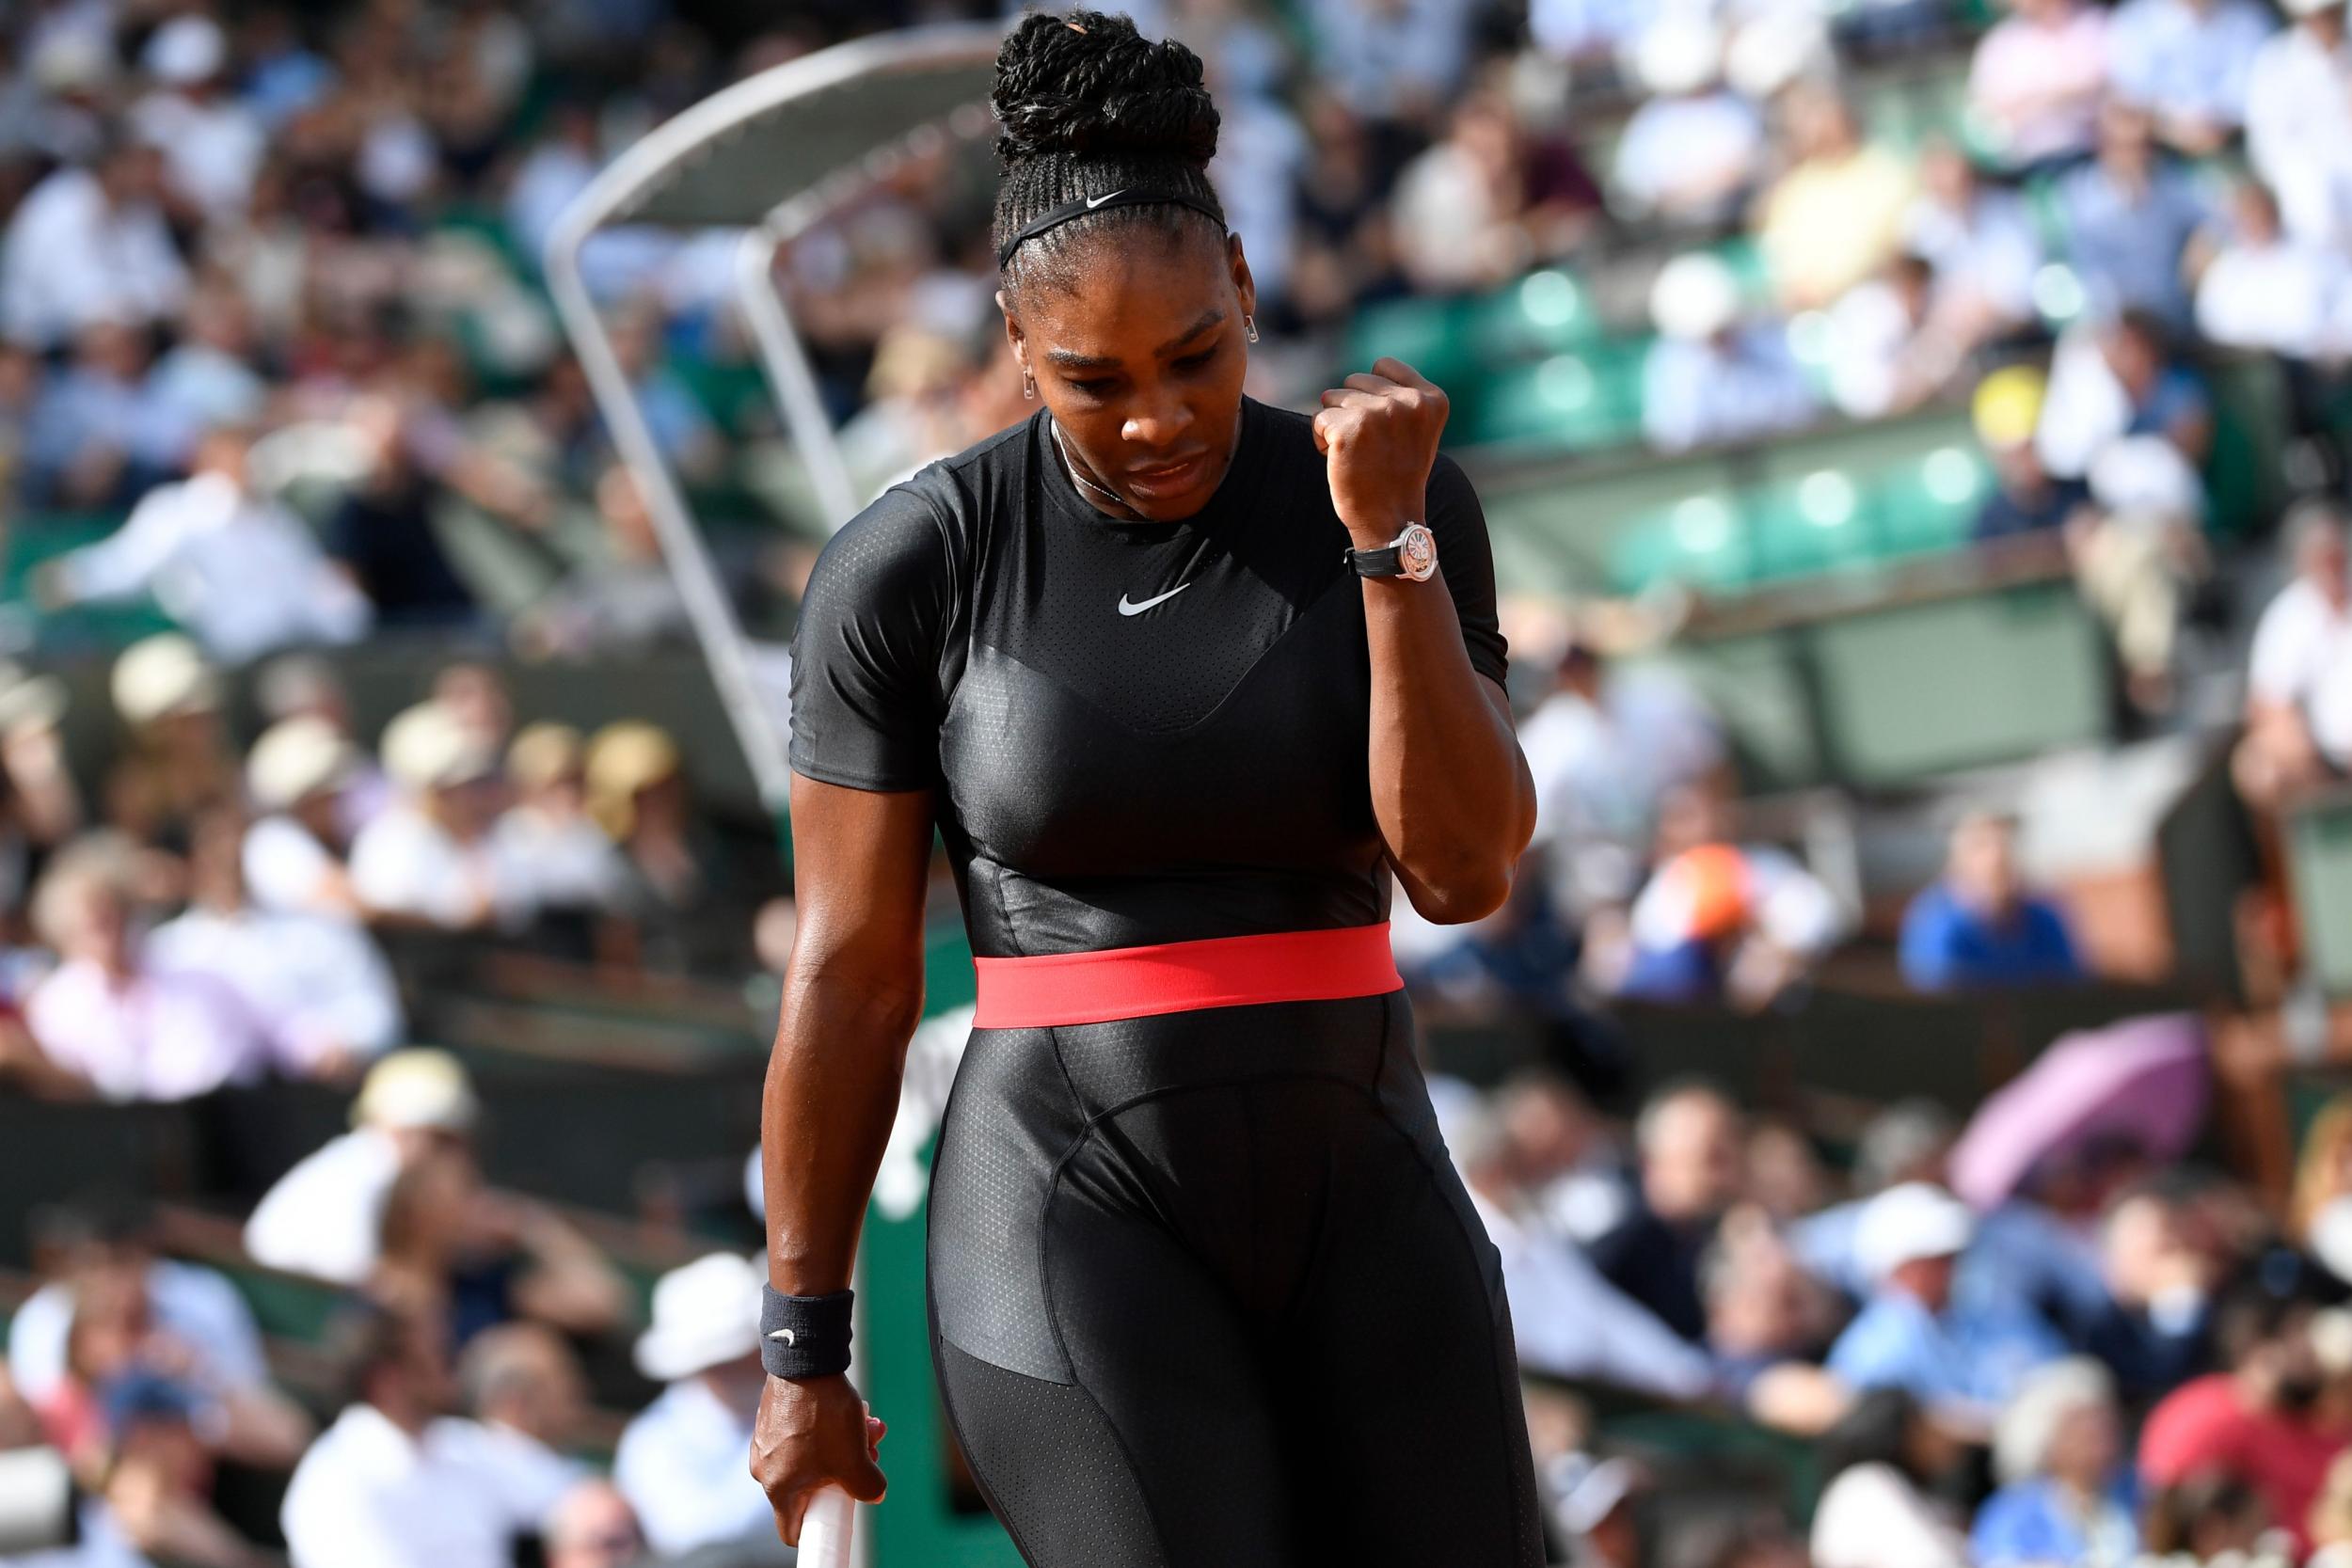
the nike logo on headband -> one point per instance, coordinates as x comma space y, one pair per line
1094, 201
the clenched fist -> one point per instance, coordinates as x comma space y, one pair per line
1379, 433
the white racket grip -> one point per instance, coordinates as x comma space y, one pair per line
825, 1529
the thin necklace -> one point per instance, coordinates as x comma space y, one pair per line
1055, 427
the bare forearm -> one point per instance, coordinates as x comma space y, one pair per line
831, 1094
1449, 786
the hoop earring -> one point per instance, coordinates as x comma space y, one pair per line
1249, 326
1028, 385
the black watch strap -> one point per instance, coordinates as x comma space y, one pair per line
1381, 562
803, 1335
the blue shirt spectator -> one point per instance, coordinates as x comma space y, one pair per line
1744, 385
2129, 217
2188, 61
2065, 1497
1978, 928
2038, 1521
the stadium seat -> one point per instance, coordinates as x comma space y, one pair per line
1931, 505
1544, 313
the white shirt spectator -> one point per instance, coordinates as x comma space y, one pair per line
1600, 768
1697, 393
1870, 342
1688, 157
404, 863
241, 573
1571, 1322
2286, 297
286, 867
69, 259
2301, 658
320, 1217
527, 1476
318, 987
2037, 87
681, 1464
153, 1036
1989, 251
569, 860
367, 1494
2188, 60
2299, 133
211, 149
195, 1305
1871, 1517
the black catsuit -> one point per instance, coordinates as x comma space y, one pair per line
1205, 1289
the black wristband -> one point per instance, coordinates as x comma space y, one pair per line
803, 1335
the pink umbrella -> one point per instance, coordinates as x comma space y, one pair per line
2145, 1079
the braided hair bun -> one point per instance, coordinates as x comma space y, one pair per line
1091, 84
1087, 106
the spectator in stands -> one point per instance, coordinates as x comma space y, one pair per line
2263, 1418
1981, 243
522, 1385
2187, 62
88, 245
315, 984
2155, 1331
156, 1476
2266, 292
179, 762
2130, 215
1694, 149
432, 859
2210, 1517
97, 438
1488, 202
1569, 1322
1768, 1324
1598, 1505
1978, 928
1909, 1141
1887, 353
1689, 1138
323, 1217
624, 601
690, 898
2299, 122
1344, 241
237, 568
294, 853
2065, 1495
680, 1463
1837, 214
107, 1015
383, 534
212, 143
1603, 749
1709, 377
2027, 498
1392, 60
2037, 82
1885, 1464
307, 686
2319, 1214
208, 378
176, 1315
1720, 920
593, 1527
576, 875
2298, 677
392, 1483
447, 1245
1963, 1360
474, 693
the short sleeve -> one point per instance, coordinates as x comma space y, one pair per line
866, 656
1466, 558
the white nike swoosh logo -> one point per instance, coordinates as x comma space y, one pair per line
787, 1336
1094, 201
1126, 609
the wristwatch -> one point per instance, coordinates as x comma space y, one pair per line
1413, 553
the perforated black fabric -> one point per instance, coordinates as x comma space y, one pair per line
1264, 1290
1198, 767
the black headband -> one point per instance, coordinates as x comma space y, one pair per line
1127, 195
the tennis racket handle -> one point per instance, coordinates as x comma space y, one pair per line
825, 1529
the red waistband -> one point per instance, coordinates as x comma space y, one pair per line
1180, 977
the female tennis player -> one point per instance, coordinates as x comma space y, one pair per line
1180, 680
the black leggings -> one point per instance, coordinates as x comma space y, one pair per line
1206, 1292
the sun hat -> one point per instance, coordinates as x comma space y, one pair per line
297, 758
1904, 1225
705, 1315
162, 675
416, 1088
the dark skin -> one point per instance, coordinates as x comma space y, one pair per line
1139, 356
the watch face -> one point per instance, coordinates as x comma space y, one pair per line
1417, 552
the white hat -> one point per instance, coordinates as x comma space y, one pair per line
703, 1315
2146, 476
417, 1088
429, 747
1677, 55
297, 758
1905, 1223
187, 49
1773, 51
1696, 297
2299, 8
161, 675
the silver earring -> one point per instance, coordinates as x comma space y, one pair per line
1028, 385
1249, 326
